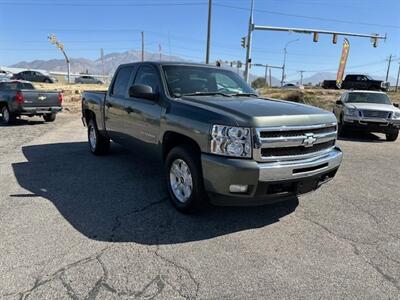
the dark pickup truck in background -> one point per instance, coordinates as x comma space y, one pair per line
357, 82
21, 98
215, 137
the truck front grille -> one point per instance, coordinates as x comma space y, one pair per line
375, 114
294, 142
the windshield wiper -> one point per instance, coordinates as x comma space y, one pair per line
245, 95
207, 94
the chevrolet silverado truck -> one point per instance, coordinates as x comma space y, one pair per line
19, 98
217, 140
357, 82
368, 111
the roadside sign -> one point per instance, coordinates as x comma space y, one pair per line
342, 64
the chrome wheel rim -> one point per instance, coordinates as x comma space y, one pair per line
92, 138
181, 180
6, 115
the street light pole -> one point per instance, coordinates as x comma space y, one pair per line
209, 32
248, 44
398, 76
54, 41
284, 59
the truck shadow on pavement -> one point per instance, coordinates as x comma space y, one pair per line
22, 122
122, 197
362, 136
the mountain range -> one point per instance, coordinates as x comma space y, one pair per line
113, 60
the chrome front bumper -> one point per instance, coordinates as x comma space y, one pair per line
288, 170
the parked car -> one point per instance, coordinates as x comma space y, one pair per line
19, 98
292, 86
369, 111
88, 79
357, 82
5, 74
215, 137
33, 76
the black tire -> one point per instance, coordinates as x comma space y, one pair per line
198, 200
7, 116
341, 126
49, 117
47, 81
100, 145
392, 135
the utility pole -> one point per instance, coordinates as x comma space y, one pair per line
266, 74
301, 76
398, 76
248, 44
284, 60
142, 45
388, 68
208, 32
54, 41
102, 59
270, 77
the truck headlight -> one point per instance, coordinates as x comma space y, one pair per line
231, 141
396, 115
349, 111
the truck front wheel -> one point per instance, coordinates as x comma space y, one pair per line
184, 180
392, 135
98, 144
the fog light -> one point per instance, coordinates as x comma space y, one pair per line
238, 188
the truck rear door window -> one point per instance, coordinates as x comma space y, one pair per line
122, 81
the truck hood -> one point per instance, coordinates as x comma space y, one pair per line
257, 112
373, 106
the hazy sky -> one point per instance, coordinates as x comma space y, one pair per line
180, 27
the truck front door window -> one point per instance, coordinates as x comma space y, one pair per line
147, 76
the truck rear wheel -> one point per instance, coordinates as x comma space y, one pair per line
8, 117
185, 181
49, 117
392, 135
98, 144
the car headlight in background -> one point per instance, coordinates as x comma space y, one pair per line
349, 111
231, 141
396, 115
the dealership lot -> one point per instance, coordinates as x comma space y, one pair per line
77, 226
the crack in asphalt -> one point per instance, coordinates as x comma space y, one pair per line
118, 219
179, 267
56, 275
356, 251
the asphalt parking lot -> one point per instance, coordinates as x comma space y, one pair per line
77, 226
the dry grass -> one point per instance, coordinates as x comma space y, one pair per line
71, 92
317, 97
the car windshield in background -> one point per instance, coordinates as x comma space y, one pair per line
368, 98
193, 80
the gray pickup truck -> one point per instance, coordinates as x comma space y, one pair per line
21, 98
218, 140
368, 111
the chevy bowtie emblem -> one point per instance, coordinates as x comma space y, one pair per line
41, 98
309, 140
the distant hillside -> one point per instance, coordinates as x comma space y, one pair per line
78, 65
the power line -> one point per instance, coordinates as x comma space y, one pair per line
103, 4
307, 17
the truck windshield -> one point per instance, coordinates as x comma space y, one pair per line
368, 98
197, 80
